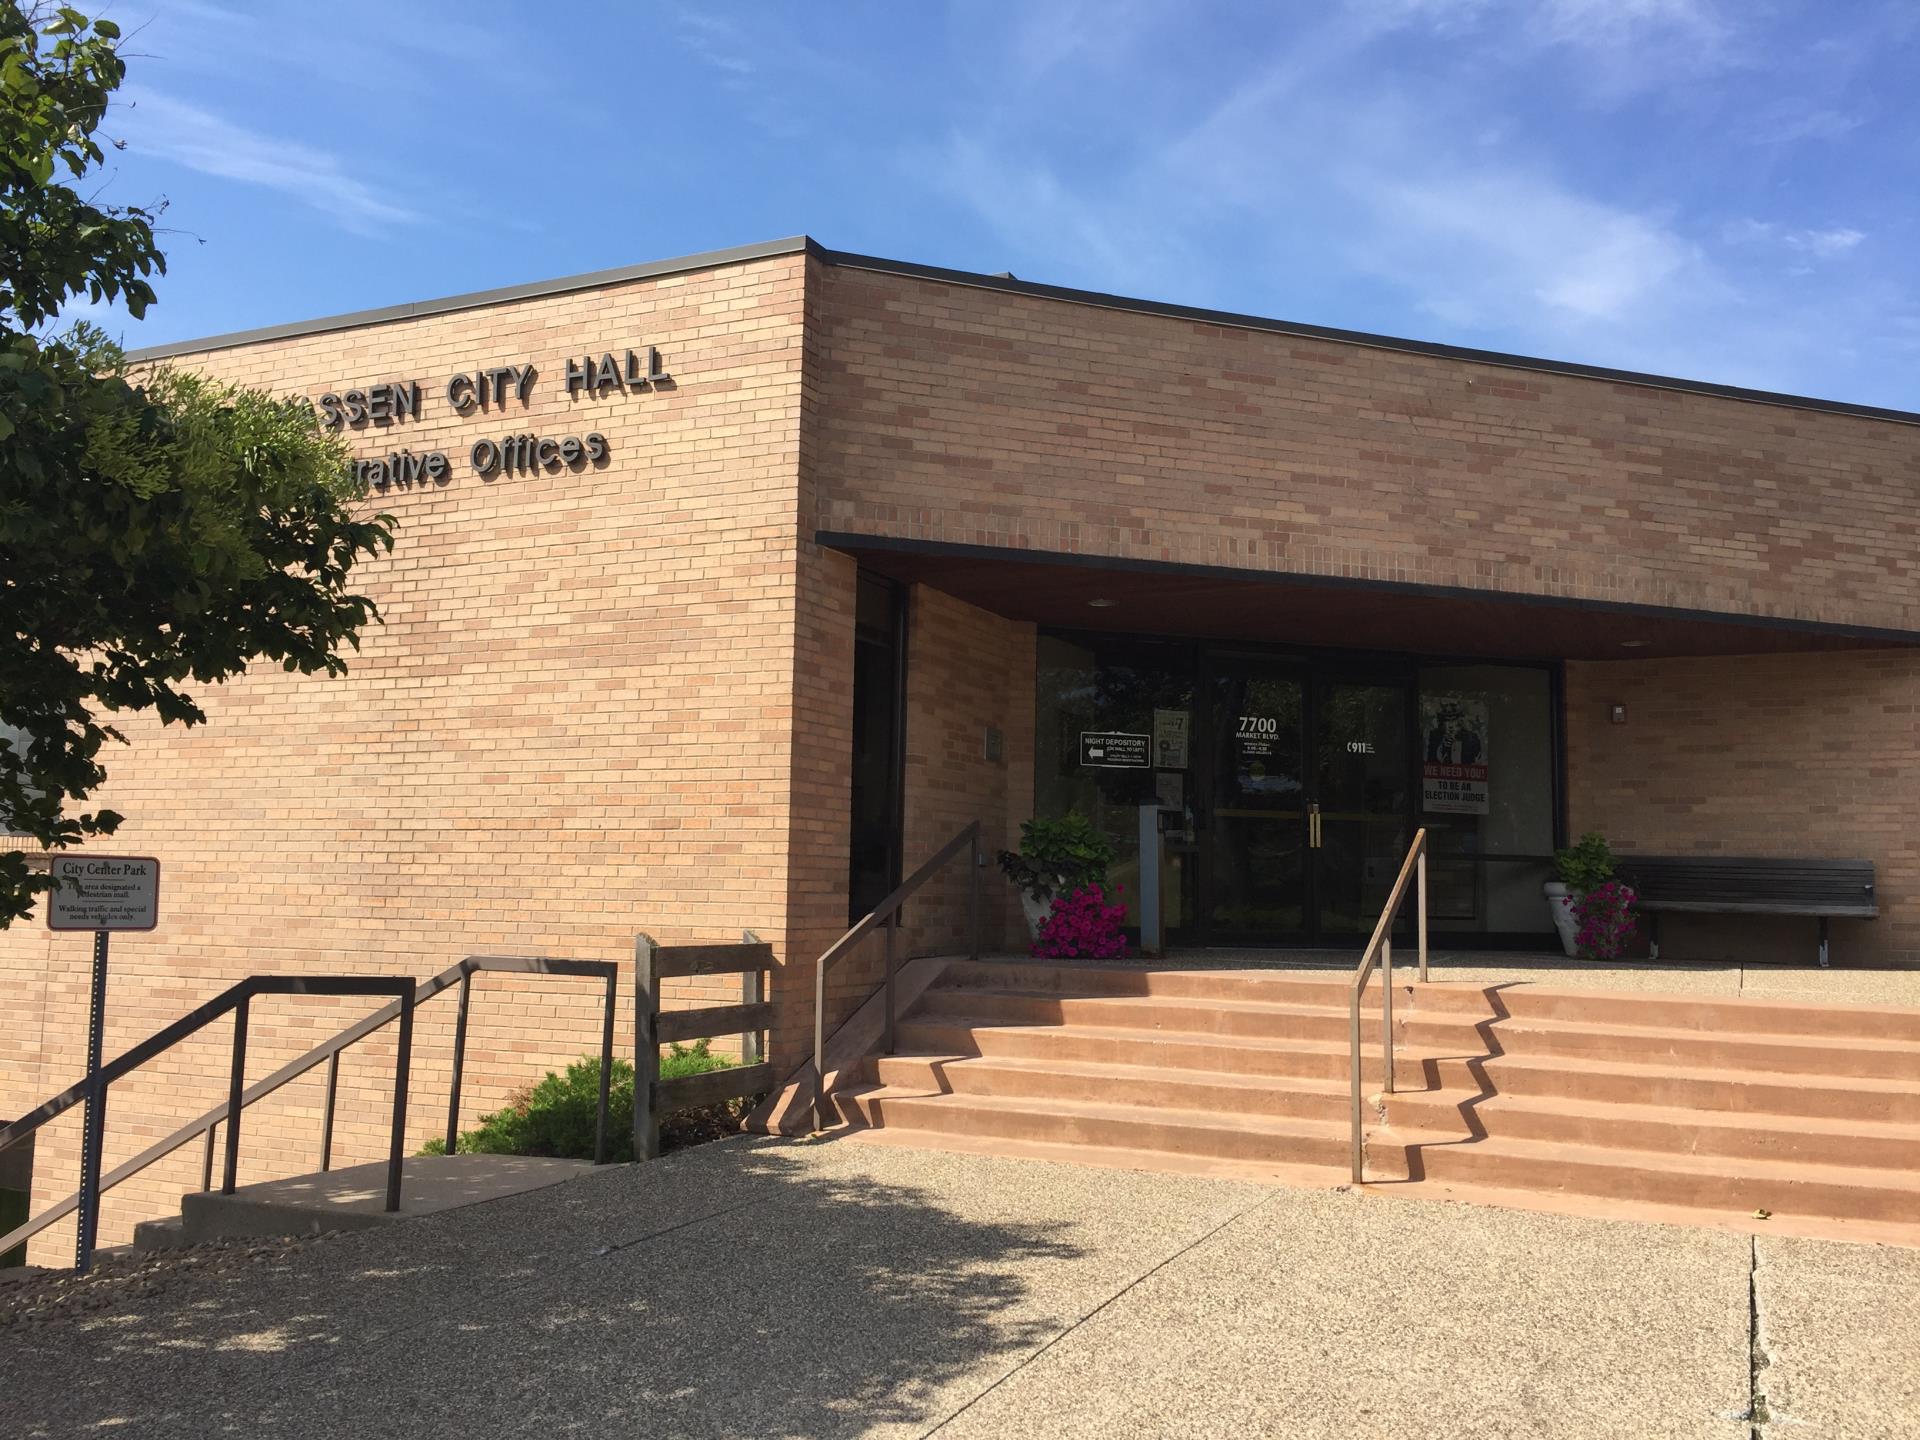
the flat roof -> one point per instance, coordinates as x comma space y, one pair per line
802, 244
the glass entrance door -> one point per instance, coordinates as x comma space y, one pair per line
1310, 800
1361, 801
1254, 841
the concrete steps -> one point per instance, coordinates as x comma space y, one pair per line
1671, 1106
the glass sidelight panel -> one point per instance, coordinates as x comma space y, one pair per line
1362, 788
1256, 840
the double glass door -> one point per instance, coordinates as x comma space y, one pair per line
1307, 813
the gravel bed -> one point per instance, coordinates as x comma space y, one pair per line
36, 1299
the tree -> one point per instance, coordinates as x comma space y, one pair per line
156, 530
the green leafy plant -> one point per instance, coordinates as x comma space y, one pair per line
1058, 856
1586, 865
556, 1116
158, 532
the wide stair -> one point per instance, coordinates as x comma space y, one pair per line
1761, 1114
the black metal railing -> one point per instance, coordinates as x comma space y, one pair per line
887, 914
407, 997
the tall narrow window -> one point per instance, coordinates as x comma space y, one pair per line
879, 718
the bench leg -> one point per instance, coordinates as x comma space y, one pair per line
1823, 942
1653, 934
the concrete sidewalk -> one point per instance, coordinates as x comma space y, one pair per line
777, 1288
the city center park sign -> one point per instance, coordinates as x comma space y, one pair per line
483, 392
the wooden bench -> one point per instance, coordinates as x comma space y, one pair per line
1728, 885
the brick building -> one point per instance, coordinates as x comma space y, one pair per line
726, 588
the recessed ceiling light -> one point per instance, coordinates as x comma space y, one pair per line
1101, 604
1635, 644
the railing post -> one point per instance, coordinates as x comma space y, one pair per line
1420, 876
402, 1070
606, 1076
1353, 1076
646, 1048
459, 1061
236, 1087
326, 1114
973, 895
752, 992
206, 1161
1386, 1012
893, 931
819, 1043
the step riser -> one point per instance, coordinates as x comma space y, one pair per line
1162, 1090
1467, 1165
1679, 1136
950, 1117
1173, 1053
1447, 1035
1164, 984
1194, 1017
1833, 1059
1752, 1017
1733, 1094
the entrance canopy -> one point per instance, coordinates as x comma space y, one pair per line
1087, 592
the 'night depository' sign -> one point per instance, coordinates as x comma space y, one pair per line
483, 392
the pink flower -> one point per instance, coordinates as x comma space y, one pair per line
1605, 918
1082, 926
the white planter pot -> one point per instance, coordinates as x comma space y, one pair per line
1036, 912
1560, 906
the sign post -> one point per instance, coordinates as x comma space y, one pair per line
101, 893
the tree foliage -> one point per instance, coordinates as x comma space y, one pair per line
157, 530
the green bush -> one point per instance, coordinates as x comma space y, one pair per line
1587, 865
556, 1117
1058, 857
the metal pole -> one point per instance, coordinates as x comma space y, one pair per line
973, 895
459, 1061
1353, 1075
402, 1065
326, 1115
893, 926
206, 1161
94, 1123
1420, 877
1386, 1012
236, 1085
646, 1048
606, 1079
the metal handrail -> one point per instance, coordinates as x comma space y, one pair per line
888, 911
408, 996
1380, 951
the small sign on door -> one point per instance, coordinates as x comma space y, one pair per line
104, 892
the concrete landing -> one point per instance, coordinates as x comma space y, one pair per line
354, 1198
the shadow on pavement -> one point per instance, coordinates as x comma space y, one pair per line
758, 1287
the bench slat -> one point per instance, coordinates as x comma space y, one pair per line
1755, 886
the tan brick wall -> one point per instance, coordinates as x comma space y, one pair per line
964, 671
1789, 755
972, 416
576, 724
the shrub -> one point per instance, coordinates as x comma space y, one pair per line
1082, 926
1586, 865
556, 1116
1604, 915
1058, 856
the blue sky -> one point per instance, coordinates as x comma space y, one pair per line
1724, 191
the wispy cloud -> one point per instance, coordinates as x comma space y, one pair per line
199, 140
1828, 243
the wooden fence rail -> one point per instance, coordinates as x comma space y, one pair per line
752, 960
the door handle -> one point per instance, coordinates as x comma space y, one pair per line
1313, 827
